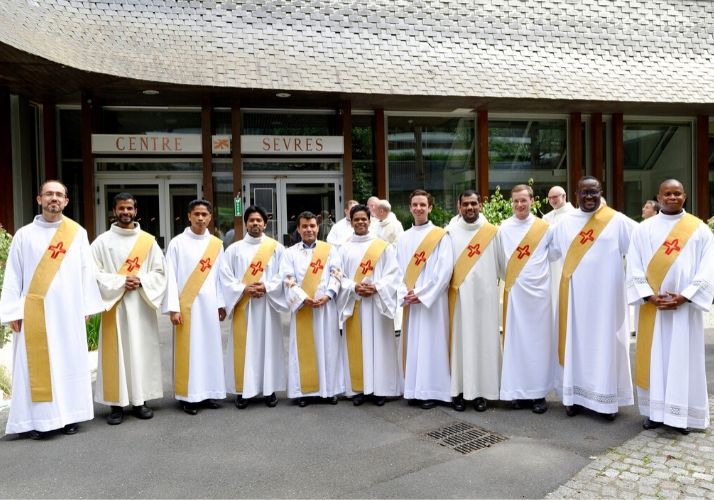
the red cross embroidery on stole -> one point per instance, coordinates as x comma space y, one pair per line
133, 264
586, 236
474, 250
419, 258
57, 249
672, 246
523, 251
316, 266
205, 264
257, 267
366, 267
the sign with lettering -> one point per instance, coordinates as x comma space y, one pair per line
292, 144
165, 144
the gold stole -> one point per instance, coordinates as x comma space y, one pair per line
252, 274
519, 258
657, 269
188, 295
466, 261
38, 354
416, 265
307, 356
110, 338
353, 327
580, 245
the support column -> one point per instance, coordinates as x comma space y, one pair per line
7, 218
575, 151
237, 164
87, 117
482, 153
701, 180
596, 148
207, 152
618, 162
380, 152
346, 129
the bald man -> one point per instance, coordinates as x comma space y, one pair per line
557, 200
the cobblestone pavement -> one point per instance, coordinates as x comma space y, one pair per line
660, 463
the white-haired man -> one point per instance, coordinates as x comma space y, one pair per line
387, 227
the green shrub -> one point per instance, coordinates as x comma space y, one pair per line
496, 208
93, 331
710, 222
5, 382
5, 240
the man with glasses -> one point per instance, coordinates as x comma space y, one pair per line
49, 289
591, 318
561, 207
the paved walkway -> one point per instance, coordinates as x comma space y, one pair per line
660, 463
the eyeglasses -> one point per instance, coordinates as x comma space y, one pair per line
591, 193
555, 196
52, 194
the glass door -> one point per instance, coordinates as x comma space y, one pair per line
284, 198
162, 202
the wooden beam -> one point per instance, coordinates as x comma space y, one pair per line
618, 162
87, 118
346, 126
237, 161
49, 139
207, 150
380, 152
7, 218
596, 148
482, 152
575, 151
701, 177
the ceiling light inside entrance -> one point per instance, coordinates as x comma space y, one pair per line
282, 94
150, 92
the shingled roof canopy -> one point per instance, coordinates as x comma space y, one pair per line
629, 51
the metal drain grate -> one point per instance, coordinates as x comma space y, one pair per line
464, 438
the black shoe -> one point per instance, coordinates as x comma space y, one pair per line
332, 400
610, 417
684, 431
302, 402
358, 399
190, 408
571, 411
241, 403
210, 404
116, 415
380, 400
413, 402
271, 401
37, 435
428, 404
142, 412
539, 406
650, 424
458, 404
70, 429
518, 404
480, 404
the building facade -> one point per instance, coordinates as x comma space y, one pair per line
303, 105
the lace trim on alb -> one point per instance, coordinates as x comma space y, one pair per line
590, 395
674, 410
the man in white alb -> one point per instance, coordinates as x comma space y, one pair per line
527, 376
473, 307
310, 271
388, 227
49, 289
132, 279
253, 292
561, 206
425, 258
367, 304
342, 229
591, 314
671, 277
194, 302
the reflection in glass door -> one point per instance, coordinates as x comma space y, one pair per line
162, 203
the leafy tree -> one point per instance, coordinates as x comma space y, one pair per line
496, 208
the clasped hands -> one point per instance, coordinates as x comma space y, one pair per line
667, 300
256, 290
365, 289
132, 283
177, 317
411, 298
315, 303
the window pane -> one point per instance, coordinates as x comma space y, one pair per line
223, 208
146, 121
363, 166
655, 152
70, 160
519, 150
289, 124
431, 153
